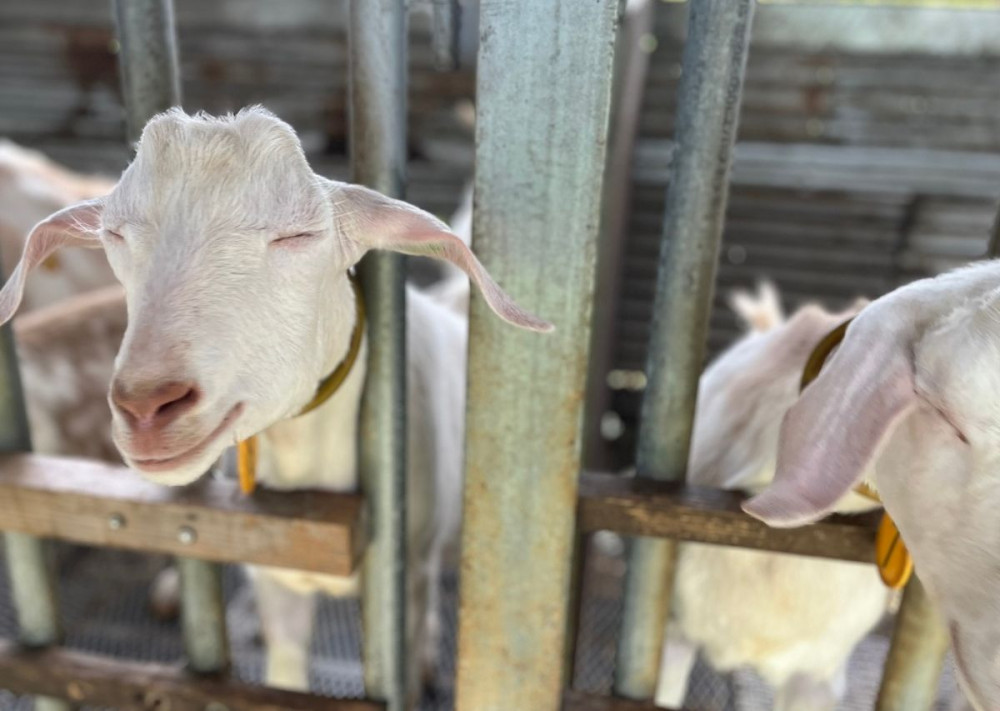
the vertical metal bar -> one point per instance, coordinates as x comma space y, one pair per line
147, 60
378, 160
631, 65
444, 33
203, 620
993, 244
913, 667
29, 570
709, 100
539, 181
33, 591
150, 76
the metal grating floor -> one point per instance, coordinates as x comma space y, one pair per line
743, 690
104, 605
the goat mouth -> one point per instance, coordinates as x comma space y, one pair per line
156, 465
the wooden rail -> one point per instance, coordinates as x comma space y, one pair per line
638, 507
579, 701
100, 681
97, 504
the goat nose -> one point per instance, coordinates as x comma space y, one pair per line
155, 405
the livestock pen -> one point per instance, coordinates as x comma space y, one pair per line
541, 181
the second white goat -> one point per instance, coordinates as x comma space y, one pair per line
793, 619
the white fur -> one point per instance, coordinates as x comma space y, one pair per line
918, 369
31, 188
317, 451
794, 619
234, 256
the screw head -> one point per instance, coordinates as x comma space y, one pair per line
116, 522
187, 535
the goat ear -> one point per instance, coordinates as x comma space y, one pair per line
837, 427
76, 225
369, 220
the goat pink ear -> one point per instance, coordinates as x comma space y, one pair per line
836, 429
76, 225
371, 220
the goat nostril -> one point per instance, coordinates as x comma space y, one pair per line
184, 402
155, 404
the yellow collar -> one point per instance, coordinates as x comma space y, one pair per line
246, 451
895, 566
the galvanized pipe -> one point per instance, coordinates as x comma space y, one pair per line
711, 85
203, 615
29, 570
993, 243
150, 77
539, 182
444, 33
33, 591
147, 60
919, 644
378, 160
631, 66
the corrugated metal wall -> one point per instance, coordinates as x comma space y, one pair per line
59, 83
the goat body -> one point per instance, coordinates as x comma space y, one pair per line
793, 619
909, 404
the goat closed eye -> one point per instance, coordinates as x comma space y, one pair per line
114, 234
294, 239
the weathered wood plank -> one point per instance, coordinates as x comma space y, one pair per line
578, 701
97, 504
636, 507
132, 686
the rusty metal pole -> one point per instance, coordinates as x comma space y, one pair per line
543, 106
378, 160
150, 76
709, 95
919, 644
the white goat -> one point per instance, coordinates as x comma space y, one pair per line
31, 188
794, 619
909, 404
234, 256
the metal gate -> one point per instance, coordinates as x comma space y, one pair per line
545, 97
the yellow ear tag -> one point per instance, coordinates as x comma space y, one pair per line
246, 464
895, 566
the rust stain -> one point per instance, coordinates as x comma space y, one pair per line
814, 99
213, 70
90, 57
